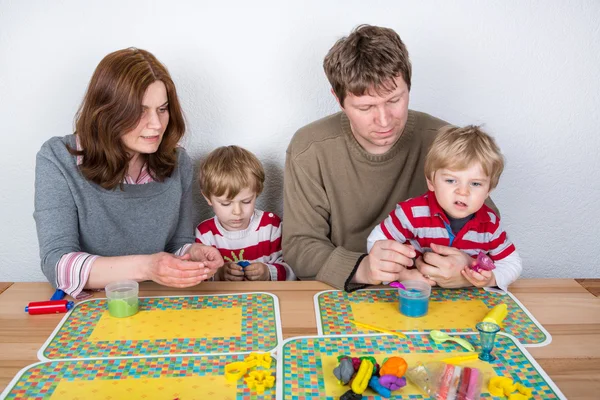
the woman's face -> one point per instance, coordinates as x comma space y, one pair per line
147, 135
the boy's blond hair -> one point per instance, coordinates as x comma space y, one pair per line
370, 58
457, 148
228, 170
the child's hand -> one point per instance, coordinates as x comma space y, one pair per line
231, 272
482, 278
257, 272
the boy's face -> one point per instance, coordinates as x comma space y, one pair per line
378, 121
460, 193
234, 214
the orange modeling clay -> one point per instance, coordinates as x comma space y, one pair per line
394, 366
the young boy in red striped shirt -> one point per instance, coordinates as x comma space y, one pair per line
231, 178
462, 167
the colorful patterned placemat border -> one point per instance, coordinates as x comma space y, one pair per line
300, 369
42, 380
334, 310
260, 330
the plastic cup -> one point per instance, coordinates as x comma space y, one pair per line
414, 300
487, 336
122, 298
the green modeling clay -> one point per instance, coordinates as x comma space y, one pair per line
121, 308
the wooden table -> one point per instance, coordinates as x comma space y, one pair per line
4, 286
566, 309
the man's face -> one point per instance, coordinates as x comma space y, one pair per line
378, 121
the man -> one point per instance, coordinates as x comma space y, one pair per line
346, 172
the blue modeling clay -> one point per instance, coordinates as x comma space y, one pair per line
243, 263
379, 388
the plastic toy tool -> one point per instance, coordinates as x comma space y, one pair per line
487, 336
497, 314
48, 307
441, 337
483, 263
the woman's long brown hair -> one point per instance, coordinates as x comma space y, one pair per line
112, 106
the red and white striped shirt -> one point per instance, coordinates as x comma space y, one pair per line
421, 221
260, 242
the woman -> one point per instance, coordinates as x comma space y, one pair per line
114, 200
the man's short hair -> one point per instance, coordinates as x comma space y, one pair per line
370, 58
457, 148
228, 170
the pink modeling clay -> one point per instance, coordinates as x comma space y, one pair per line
483, 263
397, 284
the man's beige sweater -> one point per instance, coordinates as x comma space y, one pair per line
335, 193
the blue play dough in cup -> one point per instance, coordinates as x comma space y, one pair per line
414, 300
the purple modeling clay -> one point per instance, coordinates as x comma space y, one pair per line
483, 263
392, 382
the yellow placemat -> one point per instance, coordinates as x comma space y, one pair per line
450, 310
190, 387
143, 378
459, 314
206, 324
306, 364
169, 324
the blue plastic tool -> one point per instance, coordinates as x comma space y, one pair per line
58, 295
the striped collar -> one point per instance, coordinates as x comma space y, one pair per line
481, 216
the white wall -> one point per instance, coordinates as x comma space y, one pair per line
250, 73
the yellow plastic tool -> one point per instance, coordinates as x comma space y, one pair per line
523, 393
235, 370
460, 359
259, 360
497, 314
500, 386
374, 328
260, 380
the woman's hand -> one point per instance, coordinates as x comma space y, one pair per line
257, 272
207, 255
176, 271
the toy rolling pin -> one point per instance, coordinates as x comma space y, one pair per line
48, 307
497, 314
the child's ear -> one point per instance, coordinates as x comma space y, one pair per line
207, 199
430, 185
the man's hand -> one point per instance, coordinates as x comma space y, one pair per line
257, 272
386, 262
444, 266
